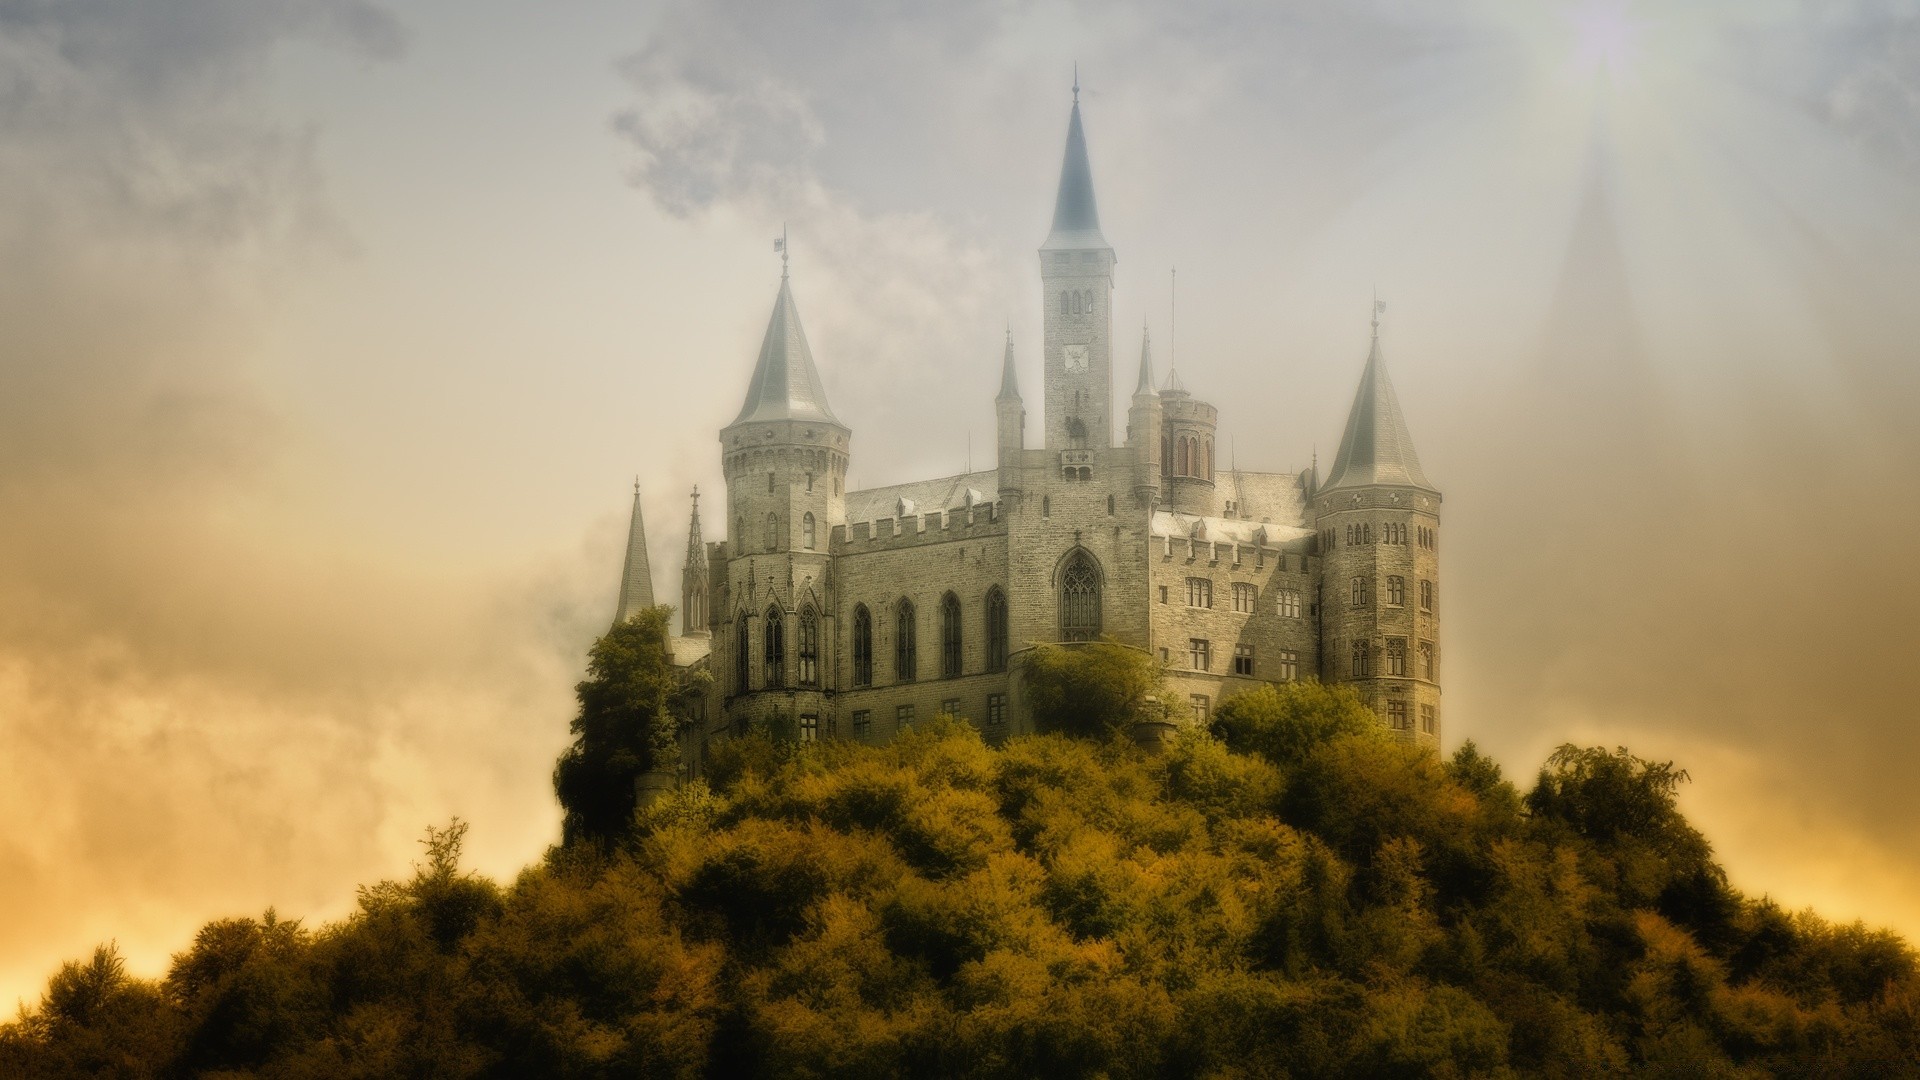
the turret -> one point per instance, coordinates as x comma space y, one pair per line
1076, 270
693, 578
1144, 429
1187, 449
1379, 522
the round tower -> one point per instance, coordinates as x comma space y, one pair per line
785, 458
1379, 530
1186, 450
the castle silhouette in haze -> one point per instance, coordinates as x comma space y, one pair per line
841, 613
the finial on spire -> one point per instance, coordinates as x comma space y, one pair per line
780, 246
1076, 82
1379, 308
636, 483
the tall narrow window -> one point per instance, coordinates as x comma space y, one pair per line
775, 655
740, 533
1289, 605
1080, 598
809, 727
905, 655
1063, 301
769, 483
1426, 659
949, 636
862, 646
742, 662
862, 723
1396, 656
806, 531
1199, 592
1359, 591
1181, 468
1361, 660
1429, 719
1396, 590
1243, 659
996, 629
1289, 665
1202, 710
809, 647
1244, 595
1426, 595
1200, 654
1397, 715
773, 532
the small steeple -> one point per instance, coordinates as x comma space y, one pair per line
1376, 447
1076, 217
1173, 382
1009, 383
785, 384
636, 577
1145, 385
693, 577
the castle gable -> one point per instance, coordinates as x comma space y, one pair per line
922, 496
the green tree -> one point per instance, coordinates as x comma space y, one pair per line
1284, 723
1090, 690
627, 725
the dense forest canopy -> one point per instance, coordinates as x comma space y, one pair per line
1291, 894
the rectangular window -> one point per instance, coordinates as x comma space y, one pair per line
1396, 590
902, 715
1243, 659
1289, 665
996, 710
1199, 592
1426, 595
1397, 715
1396, 656
809, 727
1426, 659
1289, 604
1243, 596
1359, 591
1200, 651
1429, 720
1202, 710
1163, 594
950, 707
862, 723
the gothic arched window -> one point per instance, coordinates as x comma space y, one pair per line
905, 654
1181, 464
862, 646
806, 531
1063, 301
949, 636
742, 663
996, 630
773, 532
1080, 598
809, 647
774, 659
1360, 660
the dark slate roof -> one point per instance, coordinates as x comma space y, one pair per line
786, 385
1009, 385
1076, 218
636, 577
1376, 448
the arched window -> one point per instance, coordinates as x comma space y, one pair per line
1080, 598
1063, 301
773, 532
1109, 505
806, 531
742, 662
1206, 460
774, 660
949, 636
740, 533
1046, 505
809, 647
1359, 591
862, 646
1076, 302
1166, 455
1360, 660
996, 630
905, 654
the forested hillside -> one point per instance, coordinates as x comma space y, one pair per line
1293, 894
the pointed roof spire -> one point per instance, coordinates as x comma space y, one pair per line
785, 384
1376, 448
1145, 385
1173, 383
636, 577
696, 550
1009, 385
1076, 217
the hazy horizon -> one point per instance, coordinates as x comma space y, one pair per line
335, 332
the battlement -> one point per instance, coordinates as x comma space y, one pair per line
939, 526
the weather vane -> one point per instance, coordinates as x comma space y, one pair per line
780, 245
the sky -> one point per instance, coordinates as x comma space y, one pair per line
334, 333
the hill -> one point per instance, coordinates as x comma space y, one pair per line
1292, 895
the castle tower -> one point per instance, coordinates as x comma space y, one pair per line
1144, 429
636, 575
1379, 522
1076, 269
785, 458
693, 578
1010, 415
1187, 449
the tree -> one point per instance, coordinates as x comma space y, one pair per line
1284, 723
1091, 690
626, 726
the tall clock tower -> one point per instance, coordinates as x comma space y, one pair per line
1076, 271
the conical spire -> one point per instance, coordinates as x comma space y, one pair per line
1376, 448
693, 577
1146, 364
696, 550
636, 578
785, 384
1009, 384
1076, 218
1173, 382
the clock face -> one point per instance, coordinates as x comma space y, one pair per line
1076, 357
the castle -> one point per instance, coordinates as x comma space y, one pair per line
837, 613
